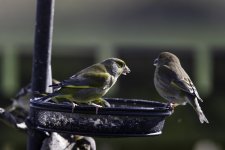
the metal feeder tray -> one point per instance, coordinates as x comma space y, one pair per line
125, 118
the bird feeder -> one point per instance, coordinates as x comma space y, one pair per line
125, 117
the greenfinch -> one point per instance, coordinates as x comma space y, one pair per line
91, 83
21, 102
22, 99
173, 83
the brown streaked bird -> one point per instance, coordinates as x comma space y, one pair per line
174, 84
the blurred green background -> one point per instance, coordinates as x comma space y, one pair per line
137, 31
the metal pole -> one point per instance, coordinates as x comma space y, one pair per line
41, 69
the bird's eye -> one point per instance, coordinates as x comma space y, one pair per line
120, 64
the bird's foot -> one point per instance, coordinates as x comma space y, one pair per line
96, 107
73, 106
102, 102
174, 105
105, 103
171, 105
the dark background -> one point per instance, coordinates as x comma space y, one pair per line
136, 31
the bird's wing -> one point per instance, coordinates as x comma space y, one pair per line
186, 85
166, 75
181, 81
90, 77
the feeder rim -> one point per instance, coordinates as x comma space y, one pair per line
156, 109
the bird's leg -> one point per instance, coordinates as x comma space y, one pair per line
172, 105
96, 107
96, 103
101, 102
73, 106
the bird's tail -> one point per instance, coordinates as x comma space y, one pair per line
194, 103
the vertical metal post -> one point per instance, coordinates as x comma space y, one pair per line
41, 69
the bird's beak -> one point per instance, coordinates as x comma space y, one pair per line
126, 70
155, 62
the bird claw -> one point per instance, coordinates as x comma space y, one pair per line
96, 107
73, 106
106, 104
171, 105
102, 102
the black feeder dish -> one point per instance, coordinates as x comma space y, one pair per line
125, 118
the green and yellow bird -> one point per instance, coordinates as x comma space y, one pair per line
174, 84
91, 83
21, 102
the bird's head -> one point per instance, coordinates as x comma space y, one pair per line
116, 66
166, 58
